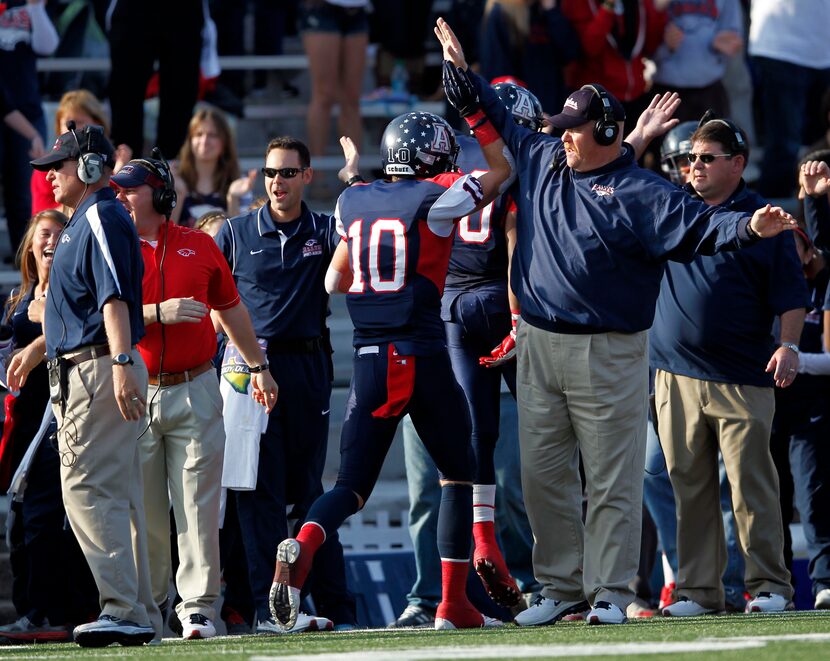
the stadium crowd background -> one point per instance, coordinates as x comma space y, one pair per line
379, 68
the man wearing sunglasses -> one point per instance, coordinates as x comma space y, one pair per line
279, 254
716, 366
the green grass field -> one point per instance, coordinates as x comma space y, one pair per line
801, 635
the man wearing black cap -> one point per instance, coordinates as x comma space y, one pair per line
185, 277
593, 234
98, 382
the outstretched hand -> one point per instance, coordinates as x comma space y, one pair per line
815, 177
656, 120
770, 221
450, 44
352, 156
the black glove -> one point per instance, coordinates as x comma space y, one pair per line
460, 90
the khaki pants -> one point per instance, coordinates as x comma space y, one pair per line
181, 454
696, 419
583, 394
102, 489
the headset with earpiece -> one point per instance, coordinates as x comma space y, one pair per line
737, 144
165, 197
90, 163
606, 130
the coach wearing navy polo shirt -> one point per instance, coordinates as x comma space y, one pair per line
92, 322
712, 346
279, 254
185, 276
593, 234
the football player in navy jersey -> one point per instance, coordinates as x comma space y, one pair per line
392, 264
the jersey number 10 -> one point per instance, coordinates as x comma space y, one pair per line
397, 230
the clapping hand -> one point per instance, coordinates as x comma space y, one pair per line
656, 120
770, 221
352, 156
815, 177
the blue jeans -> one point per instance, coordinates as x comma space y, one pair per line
516, 540
784, 92
659, 499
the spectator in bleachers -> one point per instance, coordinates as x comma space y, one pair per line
809, 452
699, 39
207, 173
532, 41
25, 33
51, 594
788, 43
272, 21
141, 33
616, 37
82, 107
716, 366
335, 36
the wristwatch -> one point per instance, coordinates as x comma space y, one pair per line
123, 359
792, 347
256, 369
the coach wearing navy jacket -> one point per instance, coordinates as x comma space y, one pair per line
716, 365
593, 235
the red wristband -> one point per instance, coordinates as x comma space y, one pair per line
482, 129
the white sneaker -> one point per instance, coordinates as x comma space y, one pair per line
822, 599
769, 602
685, 607
604, 612
548, 611
196, 626
304, 623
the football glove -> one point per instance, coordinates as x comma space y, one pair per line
460, 90
506, 350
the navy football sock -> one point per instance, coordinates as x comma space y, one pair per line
455, 521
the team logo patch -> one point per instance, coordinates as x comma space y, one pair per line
570, 103
186, 252
65, 238
312, 248
602, 191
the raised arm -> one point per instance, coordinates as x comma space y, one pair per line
656, 120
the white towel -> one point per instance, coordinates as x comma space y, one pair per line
18, 483
245, 422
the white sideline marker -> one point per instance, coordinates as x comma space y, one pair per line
549, 651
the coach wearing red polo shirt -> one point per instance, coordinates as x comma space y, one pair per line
185, 276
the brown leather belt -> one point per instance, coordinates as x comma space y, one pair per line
175, 378
95, 351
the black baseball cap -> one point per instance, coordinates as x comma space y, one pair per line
585, 106
66, 148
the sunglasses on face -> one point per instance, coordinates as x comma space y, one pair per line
285, 173
706, 158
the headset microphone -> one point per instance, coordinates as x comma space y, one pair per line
90, 165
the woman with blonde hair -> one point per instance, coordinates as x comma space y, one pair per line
207, 171
82, 107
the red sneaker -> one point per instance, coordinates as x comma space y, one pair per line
498, 582
667, 595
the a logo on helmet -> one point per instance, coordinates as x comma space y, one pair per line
524, 106
441, 140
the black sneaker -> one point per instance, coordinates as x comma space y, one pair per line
414, 616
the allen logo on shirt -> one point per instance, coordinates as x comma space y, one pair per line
312, 248
186, 252
65, 238
601, 190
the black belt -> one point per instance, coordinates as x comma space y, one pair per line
303, 345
